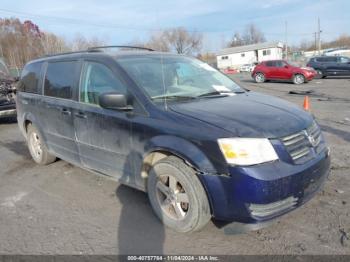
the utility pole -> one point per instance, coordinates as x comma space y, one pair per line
319, 31
286, 41
315, 34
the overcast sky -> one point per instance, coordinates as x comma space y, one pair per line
120, 22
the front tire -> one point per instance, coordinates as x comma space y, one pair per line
320, 73
177, 196
298, 79
259, 77
37, 147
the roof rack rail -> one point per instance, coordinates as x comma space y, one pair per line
98, 49
65, 53
95, 48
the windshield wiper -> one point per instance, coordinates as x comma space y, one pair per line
173, 97
217, 93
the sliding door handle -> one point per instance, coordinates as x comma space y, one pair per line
66, 112
80, 115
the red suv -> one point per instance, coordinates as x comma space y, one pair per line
282, 70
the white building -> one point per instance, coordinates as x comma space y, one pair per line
234, 57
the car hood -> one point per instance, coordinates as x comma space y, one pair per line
248, 115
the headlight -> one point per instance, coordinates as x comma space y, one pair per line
247, 151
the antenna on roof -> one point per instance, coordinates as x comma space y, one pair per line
97, 48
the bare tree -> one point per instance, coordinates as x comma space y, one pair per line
53, 44
182, 41
341, 41
176, 39
236, 40
158, 41
251, 35
80, 42
19, 41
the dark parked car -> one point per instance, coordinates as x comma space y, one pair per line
173, 126
330, 65
283, 71
7, 92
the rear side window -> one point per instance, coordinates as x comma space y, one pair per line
60, 79
321, 59
326, 59
30, 78
332, 59
270, 63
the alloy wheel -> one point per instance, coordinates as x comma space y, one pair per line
259, 78
298, 79
35, 146
172, 197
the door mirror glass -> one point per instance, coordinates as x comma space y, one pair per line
114, 101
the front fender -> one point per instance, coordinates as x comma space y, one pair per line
182, 148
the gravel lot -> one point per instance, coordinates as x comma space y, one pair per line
61, 209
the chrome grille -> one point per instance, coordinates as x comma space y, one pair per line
303, 146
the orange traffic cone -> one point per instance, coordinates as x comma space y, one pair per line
306, 104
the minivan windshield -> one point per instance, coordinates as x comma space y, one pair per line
176, 77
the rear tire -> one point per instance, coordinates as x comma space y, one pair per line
259, 77
37, 147
298, 79
177, 196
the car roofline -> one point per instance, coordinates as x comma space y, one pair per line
97, 53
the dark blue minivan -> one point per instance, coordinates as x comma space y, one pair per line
201, 146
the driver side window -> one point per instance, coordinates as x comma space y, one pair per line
96, 80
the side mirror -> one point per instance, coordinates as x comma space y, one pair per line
114, 101
286, 66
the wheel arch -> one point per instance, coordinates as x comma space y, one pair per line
259, 72
201, 167
163, 146
299, 73
29, 118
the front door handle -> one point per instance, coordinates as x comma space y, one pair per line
80, 115
65, 111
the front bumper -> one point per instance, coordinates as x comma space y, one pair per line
310, 75
272, 189
7, 110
